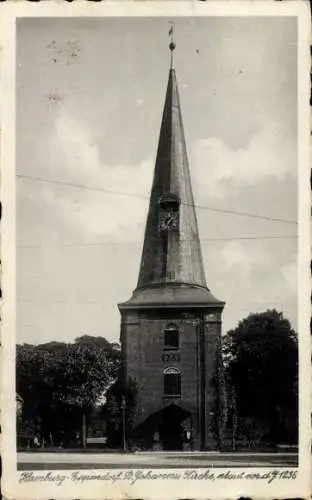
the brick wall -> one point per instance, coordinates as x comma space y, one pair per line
212, 334
142, 337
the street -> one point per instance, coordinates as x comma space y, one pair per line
59, 461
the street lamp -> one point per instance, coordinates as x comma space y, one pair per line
123, 410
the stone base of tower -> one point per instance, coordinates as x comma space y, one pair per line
172, 353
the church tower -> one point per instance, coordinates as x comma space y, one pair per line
171, 326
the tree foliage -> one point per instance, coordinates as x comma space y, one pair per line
261, 366
120, 394
61, 382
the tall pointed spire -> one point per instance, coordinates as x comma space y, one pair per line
171, 256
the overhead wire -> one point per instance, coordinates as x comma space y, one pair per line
203, 240
136, 195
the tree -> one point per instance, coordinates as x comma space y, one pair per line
60, 384
119, 393
83, 373
261, 365
34, 386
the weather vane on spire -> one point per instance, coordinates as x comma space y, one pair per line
172, 45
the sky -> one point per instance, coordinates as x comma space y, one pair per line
90, 94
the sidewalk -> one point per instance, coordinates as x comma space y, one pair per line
53, 460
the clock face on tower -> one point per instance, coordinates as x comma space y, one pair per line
169, 213
169, 221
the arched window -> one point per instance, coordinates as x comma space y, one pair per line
172, 382
171, 337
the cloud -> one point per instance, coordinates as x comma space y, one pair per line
255, 278
220, 170
290, 275
242, 261
73, 157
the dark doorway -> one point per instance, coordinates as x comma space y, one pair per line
170, 429
171, 436
164, 429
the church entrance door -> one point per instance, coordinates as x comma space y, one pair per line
171, 436
171, 430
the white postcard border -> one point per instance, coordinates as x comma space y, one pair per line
171, 489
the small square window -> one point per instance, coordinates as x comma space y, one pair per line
171, 275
